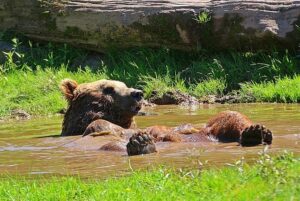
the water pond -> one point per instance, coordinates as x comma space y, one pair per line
30, 148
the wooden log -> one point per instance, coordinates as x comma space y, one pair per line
180, 24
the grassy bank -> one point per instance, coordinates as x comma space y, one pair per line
270, 178
30, 73
286, 89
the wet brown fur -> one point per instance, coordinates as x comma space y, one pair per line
225, 127
67, 87
104, 99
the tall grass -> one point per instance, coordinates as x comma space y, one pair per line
31, 72
37, 92
285, 90
209, 87
271, 178
233, 67
162, 83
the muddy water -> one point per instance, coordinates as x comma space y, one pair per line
30, 148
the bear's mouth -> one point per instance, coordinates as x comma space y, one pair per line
135, 109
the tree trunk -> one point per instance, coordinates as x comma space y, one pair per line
179, 24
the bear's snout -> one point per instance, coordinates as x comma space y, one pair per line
137, 94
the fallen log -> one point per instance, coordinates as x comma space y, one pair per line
179, 24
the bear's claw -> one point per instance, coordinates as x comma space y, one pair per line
140, 143
256, 134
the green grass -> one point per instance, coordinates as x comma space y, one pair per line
285, 90
203, 17
31, 72
162, 84
208, 87
270, 178
37, 92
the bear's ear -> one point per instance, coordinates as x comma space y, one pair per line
68, 86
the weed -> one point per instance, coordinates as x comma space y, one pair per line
203, 17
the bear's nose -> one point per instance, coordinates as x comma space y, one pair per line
137, 94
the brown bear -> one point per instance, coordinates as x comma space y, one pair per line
107, 107
104, 99
228, 126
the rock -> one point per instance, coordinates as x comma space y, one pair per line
210, 99
20, 114
9, 47
102, 24
247, 99
173, 98
92, 60
146, 103
228, 99
4, 47
143, 113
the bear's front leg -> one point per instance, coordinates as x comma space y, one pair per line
102, 126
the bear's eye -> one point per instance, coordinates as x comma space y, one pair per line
109, 90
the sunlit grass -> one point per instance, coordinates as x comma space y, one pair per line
209, 87
285, 90
162, 84
37, 92
29, 79
271, 178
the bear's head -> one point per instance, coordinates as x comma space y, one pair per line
104, 99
